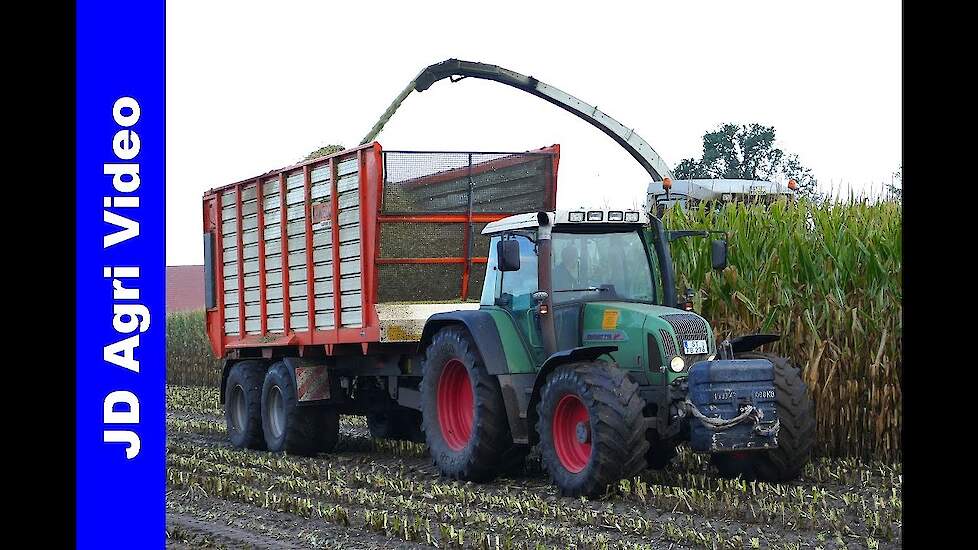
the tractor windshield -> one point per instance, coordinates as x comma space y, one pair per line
601, 266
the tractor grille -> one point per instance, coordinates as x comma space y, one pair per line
687, 327
668, 343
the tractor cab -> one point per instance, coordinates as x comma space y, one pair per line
589, 278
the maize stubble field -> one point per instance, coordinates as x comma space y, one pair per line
826, 277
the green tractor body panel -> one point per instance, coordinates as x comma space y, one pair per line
617, 324
628, 325
518, 356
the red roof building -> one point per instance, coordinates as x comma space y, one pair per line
184, 287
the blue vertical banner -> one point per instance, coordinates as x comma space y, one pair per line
120, 274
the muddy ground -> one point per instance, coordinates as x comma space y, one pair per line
379, 494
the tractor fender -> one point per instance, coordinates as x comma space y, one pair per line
483, 330
583, 353
750, 342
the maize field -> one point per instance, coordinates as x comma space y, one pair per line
825, 277
828, 278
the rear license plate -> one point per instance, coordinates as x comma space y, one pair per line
694, 347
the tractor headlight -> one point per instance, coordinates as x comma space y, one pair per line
677, 364
631, 216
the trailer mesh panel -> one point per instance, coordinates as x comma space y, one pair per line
425, 183
434, 207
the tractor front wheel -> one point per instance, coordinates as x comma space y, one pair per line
796, 437
462, 411
591, 428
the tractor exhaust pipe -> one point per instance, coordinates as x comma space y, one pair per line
545, 284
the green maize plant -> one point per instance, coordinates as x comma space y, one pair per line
189, 359
827, 277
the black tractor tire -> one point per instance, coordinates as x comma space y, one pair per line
455, 386
796, 437
400, 424
299, 430
242, 405
610, 437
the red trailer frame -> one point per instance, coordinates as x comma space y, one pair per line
263, 342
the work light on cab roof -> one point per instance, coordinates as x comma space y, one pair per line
563, 217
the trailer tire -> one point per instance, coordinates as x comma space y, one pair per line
796, 437
462, 411
591, 427
242, 405
299, 430
401, 424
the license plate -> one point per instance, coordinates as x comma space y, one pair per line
694, 347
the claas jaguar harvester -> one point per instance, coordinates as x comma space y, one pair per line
445, 298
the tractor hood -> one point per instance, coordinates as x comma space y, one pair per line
649, 337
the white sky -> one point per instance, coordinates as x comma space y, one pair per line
253, 86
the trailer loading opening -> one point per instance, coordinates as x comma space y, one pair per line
446, 298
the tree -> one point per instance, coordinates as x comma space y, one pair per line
324, 151
896, 187
747, 152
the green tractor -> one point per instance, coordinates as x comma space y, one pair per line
578, 347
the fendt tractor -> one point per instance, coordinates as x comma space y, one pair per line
447, 299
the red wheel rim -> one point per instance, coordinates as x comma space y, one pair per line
455, 405
572, 433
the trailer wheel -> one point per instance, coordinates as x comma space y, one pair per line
304, 430
591, 427
463, 416
796, 437
400, 423
242, 405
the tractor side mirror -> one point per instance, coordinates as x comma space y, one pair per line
508, 255
718, 254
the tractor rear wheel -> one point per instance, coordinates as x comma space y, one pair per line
591, 428
796, 437
462, 411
